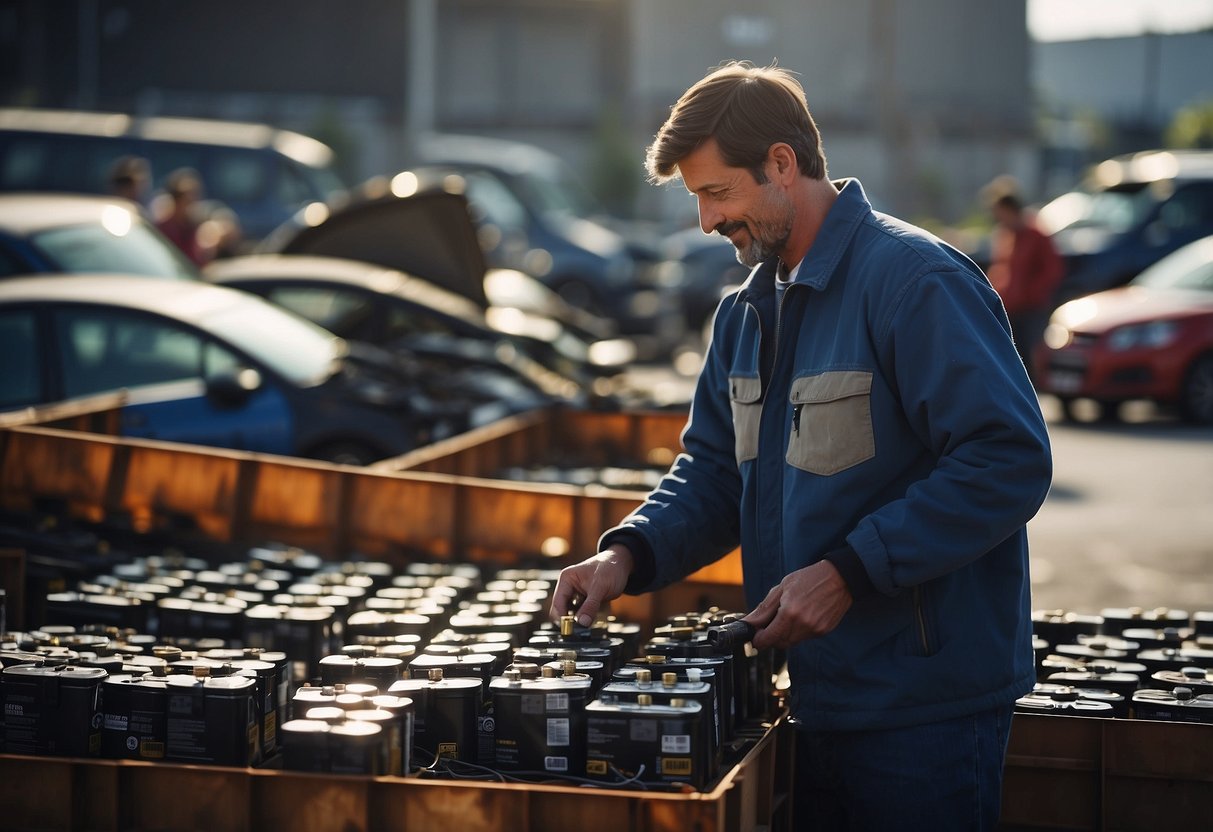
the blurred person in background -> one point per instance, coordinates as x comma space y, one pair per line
130, 177
864, 429
177, 214
1025, 268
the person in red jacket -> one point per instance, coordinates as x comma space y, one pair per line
177, 214
1025, 270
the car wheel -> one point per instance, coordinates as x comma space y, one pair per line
1196, 399
346, 453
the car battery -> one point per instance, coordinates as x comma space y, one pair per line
1064, 627
212, 719
445, 716
500, 651
278, 686
1096, 676
1175, 658
403, 647
541, 722
266, 707
663, 690
305, 745
1199, 679
571, 636
518, 625
1054, 663
544, 653
1202, 623
470, 665
1099, 647
476, 665
596, 670
306, 634
200, 619
134, 717
308, 696
80, 608
372, 622
1117, 620
646, 741
52, 709
1063, 701
739, 660
1094, 693
1182, 704
754, 669
402, 710
391, 742
713, 671
373, 670
1155, 638
357, 747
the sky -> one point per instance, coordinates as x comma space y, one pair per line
1078, 19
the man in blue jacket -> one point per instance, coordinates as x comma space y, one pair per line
864, 428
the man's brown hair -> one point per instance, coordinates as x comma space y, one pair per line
746, 109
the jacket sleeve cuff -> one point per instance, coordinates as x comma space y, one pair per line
644, 563
850, 567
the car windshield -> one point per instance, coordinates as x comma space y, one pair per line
1115, 209
121, 243
557, 193
1189, 268
297, 349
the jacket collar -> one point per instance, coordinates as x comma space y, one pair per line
833, 239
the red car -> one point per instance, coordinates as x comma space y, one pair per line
1152, 339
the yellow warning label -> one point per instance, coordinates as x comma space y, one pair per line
675, 765
151, 750
448, 749
595, 766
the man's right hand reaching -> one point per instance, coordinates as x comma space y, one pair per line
586, 586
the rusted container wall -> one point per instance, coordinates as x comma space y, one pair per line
98, 414
1078, 773
51, 794
595, 438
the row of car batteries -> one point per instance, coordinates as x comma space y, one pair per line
439, 670
1127, 663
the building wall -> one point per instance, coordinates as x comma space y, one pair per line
925, 100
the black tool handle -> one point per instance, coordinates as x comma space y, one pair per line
727, 638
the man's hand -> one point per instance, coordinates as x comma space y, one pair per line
808, 603
594, 581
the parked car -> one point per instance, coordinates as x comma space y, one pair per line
1128, 213
228, 368
429, 233
703, 267
261, 173
1152, 339
533, 216
70, 233
390, 309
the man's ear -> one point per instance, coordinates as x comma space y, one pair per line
783, 159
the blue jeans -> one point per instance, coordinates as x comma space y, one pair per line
942, 776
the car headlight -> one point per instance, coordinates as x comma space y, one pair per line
1151, 336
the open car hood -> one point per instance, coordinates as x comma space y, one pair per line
428, 234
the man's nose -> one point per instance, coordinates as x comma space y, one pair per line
709, 218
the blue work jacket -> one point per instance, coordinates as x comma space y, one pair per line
883, 413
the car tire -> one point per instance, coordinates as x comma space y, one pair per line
1196, 397
346, 453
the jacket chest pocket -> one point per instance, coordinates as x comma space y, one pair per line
831, 422
745, 396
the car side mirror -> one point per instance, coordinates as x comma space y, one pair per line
232, 388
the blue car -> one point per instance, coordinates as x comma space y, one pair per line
68, 233
228, 370
1128, 214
